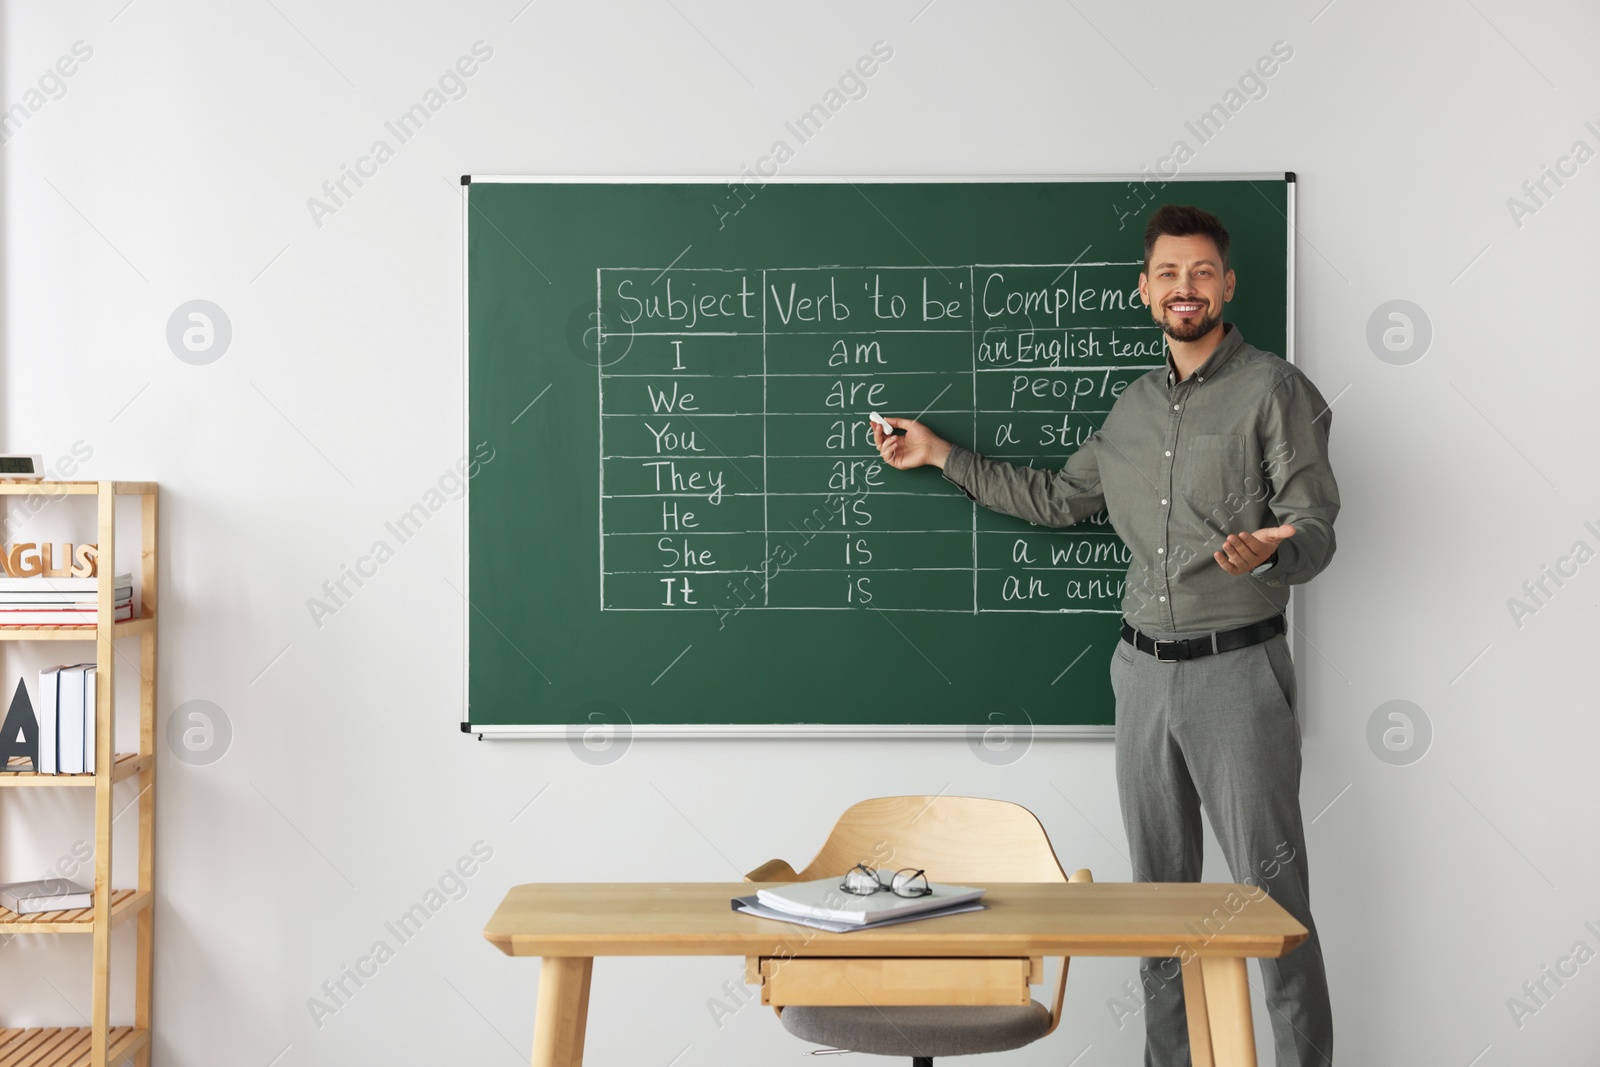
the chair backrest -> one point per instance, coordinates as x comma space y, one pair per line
955, 839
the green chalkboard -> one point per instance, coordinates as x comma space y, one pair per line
677, 521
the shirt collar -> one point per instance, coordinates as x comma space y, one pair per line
1231, 341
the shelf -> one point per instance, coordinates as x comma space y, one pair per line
124, 903
126, 628
66, 1046
99, 1044
49, 488
126, 765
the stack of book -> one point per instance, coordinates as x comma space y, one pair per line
66, 719
824, 905
59, 601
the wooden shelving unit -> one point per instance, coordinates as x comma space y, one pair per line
100, 1044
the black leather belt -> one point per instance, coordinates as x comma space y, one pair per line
1216, 641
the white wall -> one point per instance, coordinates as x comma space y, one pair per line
177, 165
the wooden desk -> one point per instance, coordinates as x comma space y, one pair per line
1212, 927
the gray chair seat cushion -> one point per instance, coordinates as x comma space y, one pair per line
919, 1031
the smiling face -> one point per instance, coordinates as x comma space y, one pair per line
1185, 286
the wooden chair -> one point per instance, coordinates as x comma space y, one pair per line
883, 1007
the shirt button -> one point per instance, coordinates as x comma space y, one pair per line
1161, 551
1175, 407
1167, 453
1163, 503
1163, 600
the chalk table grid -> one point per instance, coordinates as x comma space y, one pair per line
736, 458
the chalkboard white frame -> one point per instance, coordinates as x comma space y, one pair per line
577, 732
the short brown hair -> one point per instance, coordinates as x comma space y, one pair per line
1183, 220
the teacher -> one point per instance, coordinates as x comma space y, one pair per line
1214, 470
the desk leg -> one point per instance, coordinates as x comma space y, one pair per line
563, 1011
1194, 1001
1227, 1006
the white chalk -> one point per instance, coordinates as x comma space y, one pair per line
888, 431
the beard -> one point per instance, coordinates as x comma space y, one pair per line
1191, 329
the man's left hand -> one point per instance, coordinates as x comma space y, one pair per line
1244, 552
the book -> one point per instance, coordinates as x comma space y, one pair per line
90, 676
122, 592
823, 899
70, 718
49, 688
63, 601
53, 598
39, 583
51, 894
752, 905
57, 616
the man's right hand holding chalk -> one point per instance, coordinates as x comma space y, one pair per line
918, 447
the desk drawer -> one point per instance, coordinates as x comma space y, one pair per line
845, 981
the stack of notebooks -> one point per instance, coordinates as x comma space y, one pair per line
66, 719
824, 905
42, 601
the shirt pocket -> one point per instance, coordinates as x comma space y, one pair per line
1213, 468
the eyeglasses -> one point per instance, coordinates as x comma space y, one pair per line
863, 881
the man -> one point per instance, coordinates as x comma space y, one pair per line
1214, 470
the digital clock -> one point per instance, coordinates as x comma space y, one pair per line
22, 466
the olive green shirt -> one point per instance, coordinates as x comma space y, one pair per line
1240, 444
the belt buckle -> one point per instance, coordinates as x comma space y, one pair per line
1155, 650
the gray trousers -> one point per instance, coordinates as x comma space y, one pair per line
1220, 732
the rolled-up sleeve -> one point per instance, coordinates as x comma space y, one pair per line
1294, 443
1049, 498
